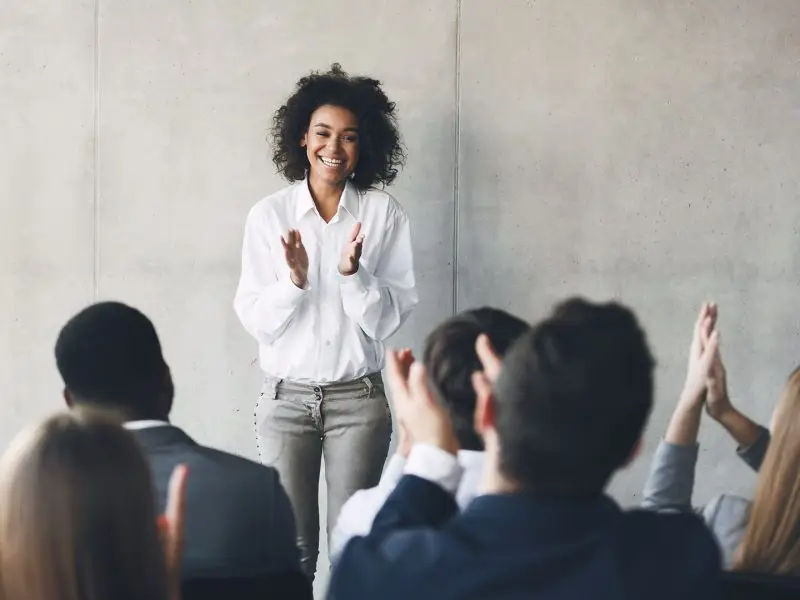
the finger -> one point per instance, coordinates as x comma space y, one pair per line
360, 239
488, 357
710, 352
696, 347
705, 330
481, 385
298, 240
355, 231
396, 377
284, 242
418, 385
405, 356
175, 511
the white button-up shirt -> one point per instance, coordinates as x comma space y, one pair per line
459, 475
333, 330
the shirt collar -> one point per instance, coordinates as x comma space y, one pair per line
349, 200
144, 424
470, 459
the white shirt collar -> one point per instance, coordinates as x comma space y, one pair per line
144, 424
470, 459
348, 201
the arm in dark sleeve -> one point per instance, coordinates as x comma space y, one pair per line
405, 541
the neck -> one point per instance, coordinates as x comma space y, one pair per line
326, 196
492, 480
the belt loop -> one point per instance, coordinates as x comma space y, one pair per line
370, 387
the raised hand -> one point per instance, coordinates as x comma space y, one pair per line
424, 419
405, 359
171, 526
351, 253
718, 403
296, 257
482, 381
702, 351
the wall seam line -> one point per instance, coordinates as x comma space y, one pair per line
96, 184
457, 165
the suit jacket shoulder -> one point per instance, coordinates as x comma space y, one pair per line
238, 517
676, 550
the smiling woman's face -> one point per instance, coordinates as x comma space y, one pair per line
332, 144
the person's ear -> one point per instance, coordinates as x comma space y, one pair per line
70, 401
304, 140
484, 405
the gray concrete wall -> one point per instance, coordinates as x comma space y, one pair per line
644, 151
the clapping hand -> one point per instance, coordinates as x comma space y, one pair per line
351, 253
424, 419
405, 359
482, 381
703, 352
718, 404
296, 257
171, 527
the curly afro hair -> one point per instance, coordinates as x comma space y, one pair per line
381, 154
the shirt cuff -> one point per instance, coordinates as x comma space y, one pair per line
393, 471
359, 282
435, 465
288, 294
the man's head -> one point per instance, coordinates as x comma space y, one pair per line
109, 356
450, 361
571, 401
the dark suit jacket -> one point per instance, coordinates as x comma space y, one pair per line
238, 518
523, 547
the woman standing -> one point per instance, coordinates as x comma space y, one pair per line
327, 275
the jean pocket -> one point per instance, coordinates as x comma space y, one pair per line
269, 389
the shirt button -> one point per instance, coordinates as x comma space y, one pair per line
327, 342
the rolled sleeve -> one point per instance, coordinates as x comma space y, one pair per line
754, 454
671, 480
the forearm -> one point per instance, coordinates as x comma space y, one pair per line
740, 427
379, 307
265, 312
685, 423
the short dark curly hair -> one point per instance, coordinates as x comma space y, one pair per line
381, 153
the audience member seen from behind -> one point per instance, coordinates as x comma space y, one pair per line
238, 518
759, 535
77, 516
568, 410
450, 360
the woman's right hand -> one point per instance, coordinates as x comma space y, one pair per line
296, 257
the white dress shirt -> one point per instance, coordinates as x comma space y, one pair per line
333, 330
460, 476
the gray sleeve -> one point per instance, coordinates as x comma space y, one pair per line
753, 454
671, 481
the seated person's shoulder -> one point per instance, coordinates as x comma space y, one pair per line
680, 537
225, 463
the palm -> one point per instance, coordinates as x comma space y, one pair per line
351, 253
296, 256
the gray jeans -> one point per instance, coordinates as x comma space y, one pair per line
348, 423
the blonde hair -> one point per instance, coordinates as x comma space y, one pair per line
77, 514
771, 543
